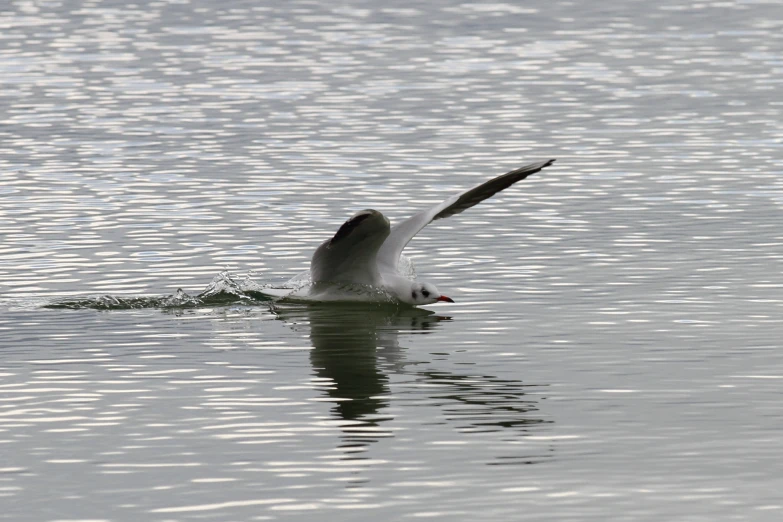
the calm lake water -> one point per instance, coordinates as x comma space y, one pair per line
615, 350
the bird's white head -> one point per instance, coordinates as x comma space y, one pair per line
425, 293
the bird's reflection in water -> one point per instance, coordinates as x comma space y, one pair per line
355, 349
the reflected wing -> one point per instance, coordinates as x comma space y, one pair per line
402, 233
351, 255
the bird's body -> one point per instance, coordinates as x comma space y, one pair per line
363, 261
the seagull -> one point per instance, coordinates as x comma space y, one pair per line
366, 252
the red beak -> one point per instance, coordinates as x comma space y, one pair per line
446, 299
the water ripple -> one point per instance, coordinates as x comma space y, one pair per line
622, 307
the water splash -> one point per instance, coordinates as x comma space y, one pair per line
222, 290
227, 289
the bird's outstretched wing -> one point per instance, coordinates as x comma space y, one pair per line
402, 233
350, 256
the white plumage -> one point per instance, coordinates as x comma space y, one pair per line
362, 261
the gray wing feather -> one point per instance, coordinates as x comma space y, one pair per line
402, 233
351, 255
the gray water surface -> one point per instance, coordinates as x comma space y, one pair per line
614, 352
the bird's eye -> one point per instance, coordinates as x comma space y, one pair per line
425, 293
414, 294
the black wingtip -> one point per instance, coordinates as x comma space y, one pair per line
350, 225
525, 171
539, 167
544, 164
486, 190
356, 221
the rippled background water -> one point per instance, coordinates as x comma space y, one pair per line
614, 352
